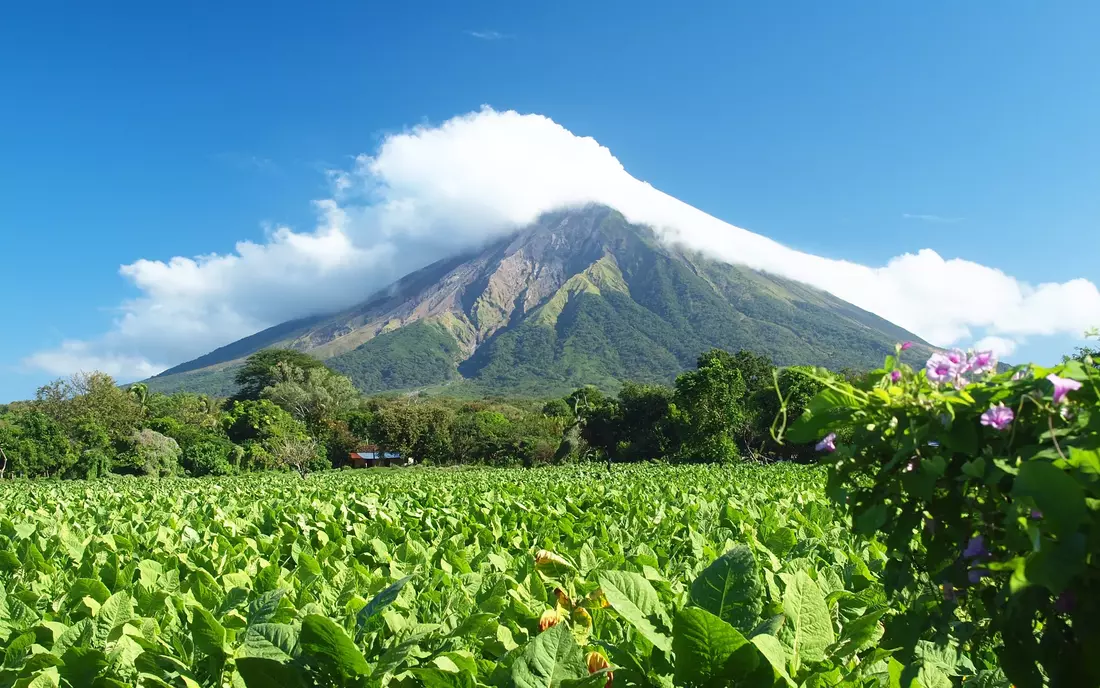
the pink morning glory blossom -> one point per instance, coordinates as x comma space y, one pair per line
982, 362
1062, 387
828, 444
895, 375
905, 346
952, 366
940, 368
998, 417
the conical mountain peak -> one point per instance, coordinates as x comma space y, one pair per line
580, 296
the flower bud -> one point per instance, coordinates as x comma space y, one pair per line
549, 619
596, 662
545, 557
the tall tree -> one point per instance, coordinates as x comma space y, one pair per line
756, 370
312, 395
91, 398
260, 370
35, 445
709, 405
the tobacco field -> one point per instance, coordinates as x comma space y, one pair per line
648, 575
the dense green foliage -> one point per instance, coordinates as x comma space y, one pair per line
652, 575
268, 367
418, 355
310, 418
718, 412
984, 488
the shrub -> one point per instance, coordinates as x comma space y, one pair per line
210, 457
151, 453
984, 488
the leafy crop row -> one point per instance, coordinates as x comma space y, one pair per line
649, 575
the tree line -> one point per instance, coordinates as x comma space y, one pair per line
291, 412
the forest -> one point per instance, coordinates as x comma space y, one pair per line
291, 412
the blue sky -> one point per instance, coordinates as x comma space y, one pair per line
850, 130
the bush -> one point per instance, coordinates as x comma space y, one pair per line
984, 489
151, 454
211, 457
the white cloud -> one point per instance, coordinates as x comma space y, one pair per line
998, 345
76, 356
487, 35
432, 190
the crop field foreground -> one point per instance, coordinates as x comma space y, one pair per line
647, 575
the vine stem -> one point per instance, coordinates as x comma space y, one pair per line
1050, 424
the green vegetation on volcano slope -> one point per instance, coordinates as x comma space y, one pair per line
414, 356
578, 297
695, 575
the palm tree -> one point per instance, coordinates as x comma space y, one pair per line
140, 392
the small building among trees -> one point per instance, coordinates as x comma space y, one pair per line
371, 456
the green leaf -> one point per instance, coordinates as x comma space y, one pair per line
308, 567
118, 609
900, 676
81, 665
9, 561
811, 624
632, 596
772, 650
709, 651
438, 678
47, 678
380, 602
87, 587
858, 635
1057, 494
264, 607
730, 588
270, 640
17, 648
208, 634
77, 635
549, 660
769, 626
326, 645
260, 672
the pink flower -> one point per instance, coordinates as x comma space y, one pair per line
957, 358
895, 375
905, 346
998, 417
940, 368
828, 444
982, 362
1062, 387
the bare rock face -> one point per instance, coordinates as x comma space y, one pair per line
580, 296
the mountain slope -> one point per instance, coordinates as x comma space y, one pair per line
579, 297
